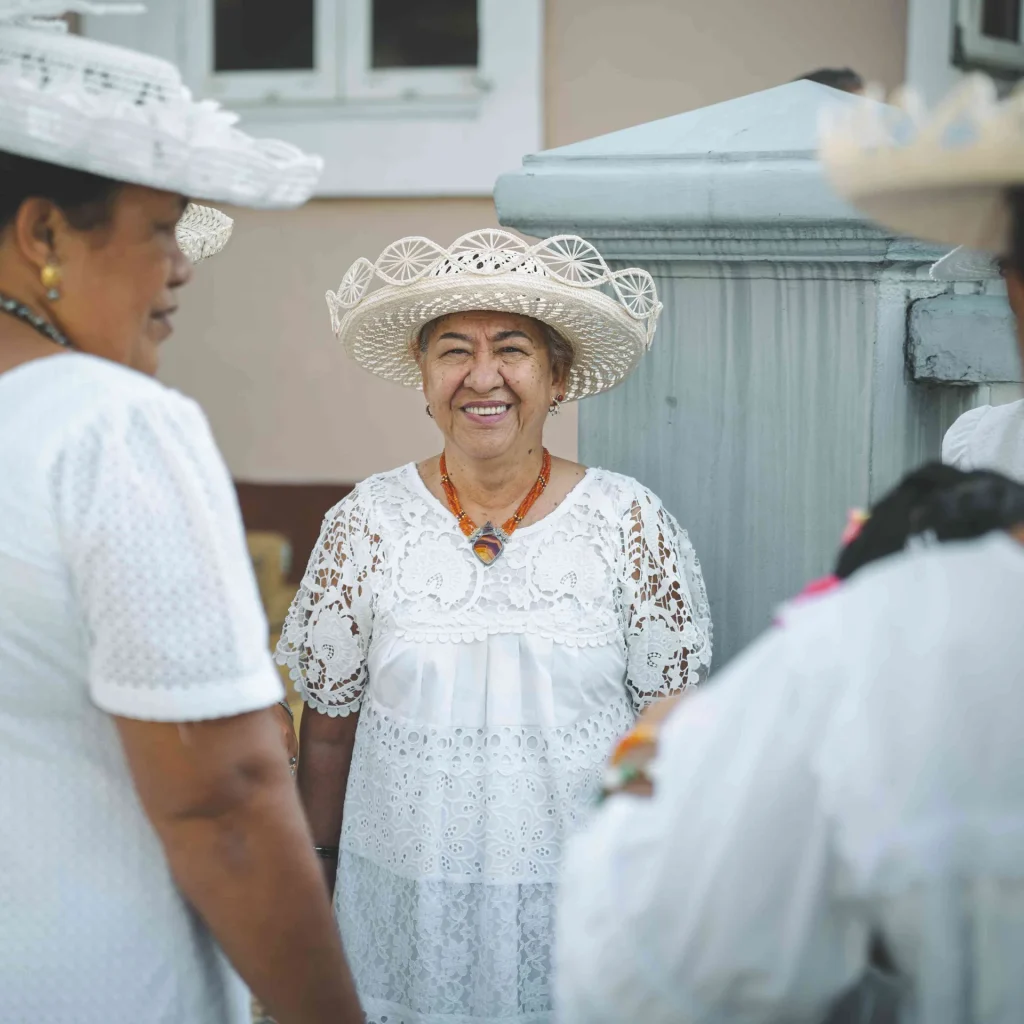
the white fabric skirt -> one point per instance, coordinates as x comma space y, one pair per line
450, 854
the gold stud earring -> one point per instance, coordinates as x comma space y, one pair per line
51, 277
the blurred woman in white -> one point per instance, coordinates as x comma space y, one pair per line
855, 780
152, 843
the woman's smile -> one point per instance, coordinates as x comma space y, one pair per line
486, 414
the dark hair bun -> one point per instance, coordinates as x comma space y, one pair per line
936, 500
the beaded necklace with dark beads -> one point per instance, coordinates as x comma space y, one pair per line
21, 312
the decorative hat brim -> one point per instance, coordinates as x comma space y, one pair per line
941, 177
382, 331
56, 106
202, 232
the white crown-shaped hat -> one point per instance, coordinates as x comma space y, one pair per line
940, 176
127, 116
608, 317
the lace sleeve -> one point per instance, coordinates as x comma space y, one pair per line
666, 618
327, 632
156, 553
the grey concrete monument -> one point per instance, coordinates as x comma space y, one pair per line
791, 378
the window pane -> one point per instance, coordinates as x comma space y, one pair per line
257, 35
1000, 19
418, 34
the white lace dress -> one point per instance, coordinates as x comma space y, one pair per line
489, 699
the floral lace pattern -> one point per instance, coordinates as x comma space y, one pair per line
489, 699
416, 952
611, 567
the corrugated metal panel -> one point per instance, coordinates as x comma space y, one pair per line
754, 420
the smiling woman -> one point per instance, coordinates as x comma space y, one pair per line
476, 630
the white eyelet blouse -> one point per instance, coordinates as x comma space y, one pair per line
489, 699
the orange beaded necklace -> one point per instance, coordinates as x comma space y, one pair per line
488, 541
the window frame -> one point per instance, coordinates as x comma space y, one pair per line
259, 87
390, 137
360, 80
975, 50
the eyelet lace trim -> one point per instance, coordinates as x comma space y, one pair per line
424, 801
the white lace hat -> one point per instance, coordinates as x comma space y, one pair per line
126, 115
941, 176
203, 231
609, 317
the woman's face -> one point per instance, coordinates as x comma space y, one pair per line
488, 382
117, 280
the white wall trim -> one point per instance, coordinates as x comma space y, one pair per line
930, 69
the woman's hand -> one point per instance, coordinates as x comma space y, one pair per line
638, 747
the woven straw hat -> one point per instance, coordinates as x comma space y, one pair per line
127, 116
608, 317
941, 176
202, 232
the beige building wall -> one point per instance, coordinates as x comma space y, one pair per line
254, 344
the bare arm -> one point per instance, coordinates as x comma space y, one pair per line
326, 746
221, 800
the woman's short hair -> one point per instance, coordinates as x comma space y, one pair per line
87, 200
560, 351
938, 502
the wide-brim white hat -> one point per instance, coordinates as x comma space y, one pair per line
202, 232
942, 176
608, 317
127, 116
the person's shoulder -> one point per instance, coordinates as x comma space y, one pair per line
88, 387
978, 428
370, 493
950, 594
77, 403
625, 492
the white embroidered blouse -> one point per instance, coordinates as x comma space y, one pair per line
490, 697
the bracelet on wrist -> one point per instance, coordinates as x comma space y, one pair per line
326, 852
618, 776
288, 708
639, 736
